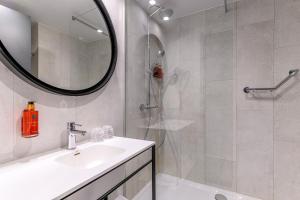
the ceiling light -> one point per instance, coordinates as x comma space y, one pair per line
166, 14
166, 18
99, 31
152, 2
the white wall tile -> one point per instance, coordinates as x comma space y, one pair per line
286, 107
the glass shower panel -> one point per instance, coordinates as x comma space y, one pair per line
179, 93
220, 136
183, 99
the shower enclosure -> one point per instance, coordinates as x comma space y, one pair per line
185, 79
195, 54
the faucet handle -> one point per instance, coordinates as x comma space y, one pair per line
71, 125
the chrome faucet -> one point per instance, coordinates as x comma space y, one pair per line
72, 132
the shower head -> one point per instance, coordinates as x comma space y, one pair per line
161, 53
166, 14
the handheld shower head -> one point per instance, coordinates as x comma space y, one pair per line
161, 53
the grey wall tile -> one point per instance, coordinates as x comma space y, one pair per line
216, 20
254, 11
255, 64
220, 173
191, 37
219, 50
254, 128
287, 165
287, 22
192, 153
219, 140
255, 164
255, 153
219, 95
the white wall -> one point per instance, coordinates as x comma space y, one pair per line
102, 107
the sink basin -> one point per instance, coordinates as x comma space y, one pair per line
90, 157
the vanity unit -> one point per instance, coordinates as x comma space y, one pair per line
91, 171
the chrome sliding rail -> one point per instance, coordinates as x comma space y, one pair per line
292, 73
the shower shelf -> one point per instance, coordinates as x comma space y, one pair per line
173, 125
292, 73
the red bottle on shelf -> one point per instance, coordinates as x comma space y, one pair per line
30, 121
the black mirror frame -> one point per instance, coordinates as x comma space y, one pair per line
17, 69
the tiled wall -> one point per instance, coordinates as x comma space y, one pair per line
202, 46
103, 107
137, 86
286, 104
84, 62
250, 143
220, 136
182, 153
255, 124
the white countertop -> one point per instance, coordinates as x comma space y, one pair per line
40, 177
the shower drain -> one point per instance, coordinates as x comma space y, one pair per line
220, 197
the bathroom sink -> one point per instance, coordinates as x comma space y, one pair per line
58, 173
90, 157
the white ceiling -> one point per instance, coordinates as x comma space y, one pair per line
57, 14
183, 8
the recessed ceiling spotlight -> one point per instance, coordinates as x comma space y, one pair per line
166, 14
166, 18
152, 2
99, 31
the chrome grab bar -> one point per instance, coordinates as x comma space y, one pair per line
292, 73
144, 107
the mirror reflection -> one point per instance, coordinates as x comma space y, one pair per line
64, 43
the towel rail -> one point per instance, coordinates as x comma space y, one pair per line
292, 73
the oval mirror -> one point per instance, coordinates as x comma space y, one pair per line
66, 47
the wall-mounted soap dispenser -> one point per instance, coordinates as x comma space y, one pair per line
30, 121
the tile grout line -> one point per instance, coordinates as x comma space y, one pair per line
274, 45
236, 89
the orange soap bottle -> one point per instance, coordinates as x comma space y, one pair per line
30, 121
